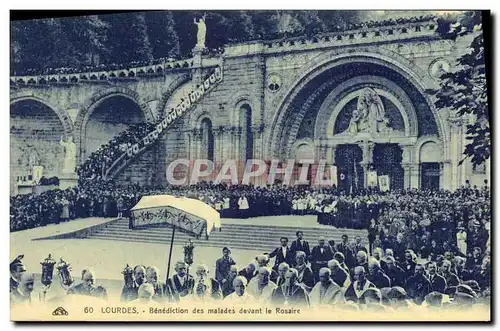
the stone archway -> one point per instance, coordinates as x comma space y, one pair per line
61, 113
95, 102
335, 60
36, 130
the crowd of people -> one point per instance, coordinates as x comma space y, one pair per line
302, 275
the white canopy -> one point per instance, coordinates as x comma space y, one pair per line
190, 206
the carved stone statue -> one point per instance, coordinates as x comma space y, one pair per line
202, 31
69, 164
369, 116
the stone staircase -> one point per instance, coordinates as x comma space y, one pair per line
236, 236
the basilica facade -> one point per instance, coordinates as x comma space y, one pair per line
357, 99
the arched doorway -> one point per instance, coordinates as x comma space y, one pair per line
245, 122
387, 160
350, 174
207, 140
107, 119
430, 167
35, 134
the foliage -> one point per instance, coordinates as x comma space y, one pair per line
142, 36
464, 91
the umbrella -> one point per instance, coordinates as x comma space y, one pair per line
191, 215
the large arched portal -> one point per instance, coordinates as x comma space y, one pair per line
358, 105
35, 134
108, 118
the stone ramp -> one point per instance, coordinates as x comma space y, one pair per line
242, 234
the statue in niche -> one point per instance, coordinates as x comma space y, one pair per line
369, 115
202, 32
69, 164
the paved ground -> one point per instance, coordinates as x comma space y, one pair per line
108, 258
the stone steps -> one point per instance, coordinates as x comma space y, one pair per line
240, 236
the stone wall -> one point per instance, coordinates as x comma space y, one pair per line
35, 132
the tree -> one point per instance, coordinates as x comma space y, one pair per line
162, 34
464, 91
128, 37
240, 26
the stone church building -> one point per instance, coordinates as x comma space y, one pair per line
356, 99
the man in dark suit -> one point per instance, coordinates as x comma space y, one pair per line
17, 268
438, 283
418, 285
377, 275
300, 245
129, 291
282, 254
451, 278
87, 286
320, 256
359, 245
152, 277
223, 266
338, 274
394, 272
291, 292
344, 248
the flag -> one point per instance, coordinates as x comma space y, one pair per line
372, 178
333, 175
383, 183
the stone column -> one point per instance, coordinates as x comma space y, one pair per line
458, 172
414, 167
196, 142
197, 65
406, 164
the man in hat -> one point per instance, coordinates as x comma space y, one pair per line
181, 284
223, 266
282, 254
321, 254
300, 245
17, 268
326, 291
291, 292
344, 248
